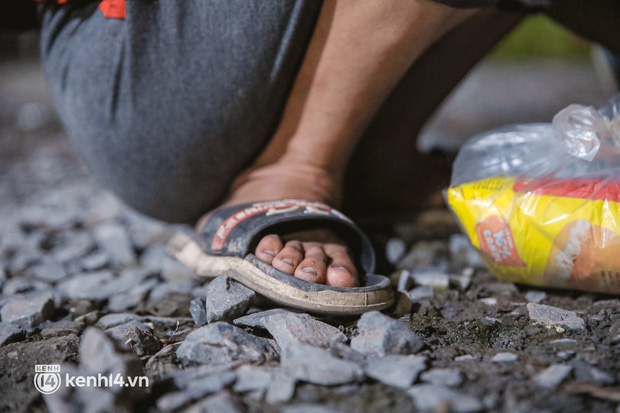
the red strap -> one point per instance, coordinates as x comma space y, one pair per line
113, 9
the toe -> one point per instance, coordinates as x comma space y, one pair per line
314, 266
268, 248
341, 271
289, 258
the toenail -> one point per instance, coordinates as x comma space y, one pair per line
309, 270
340, 268
288, 261
270, 252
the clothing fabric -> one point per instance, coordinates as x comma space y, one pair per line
167, 106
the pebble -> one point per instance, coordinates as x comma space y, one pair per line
315, 365
28, 311
490, 321
222, 402
444, 377
488, 301
433, 279
113, 320
467, 357
10, 333
584, 371
563, 341
420, 293
219, 342
227, 299
91, 286
565, 355
196, 390
431, 397
287, 327
47, 270
267, 383
117, 331
556, 317
504, 357
534, 296
157, 259
552, 376
141, 342
395, 249
95, 261
174, 304
380, 335
113, 239
198, 310
78, 245
309, 408
63, 328
101, 354
133, 298
397, 371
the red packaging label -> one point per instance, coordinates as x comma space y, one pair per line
496, 241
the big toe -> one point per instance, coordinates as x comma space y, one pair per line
341, 271
268, 248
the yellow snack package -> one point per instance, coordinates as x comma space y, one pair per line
546, 232
541, 202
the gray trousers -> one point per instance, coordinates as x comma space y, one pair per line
167, 106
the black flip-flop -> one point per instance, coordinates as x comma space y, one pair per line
230, 234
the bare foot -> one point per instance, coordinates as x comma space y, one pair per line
317, 256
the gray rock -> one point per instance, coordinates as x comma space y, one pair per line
584, 371
227, 299
565, 355
63, 328
221, 343
314, 365
379, 335
463, 280
113, 320
113, 239
184, 378
552, 376
219, 403
488, 301
141, 342
433, 279
132, 298
287, 327
397, 371
444, 377
534, 296
175, 304
116, 332
95, 261
28, 311
467, 357
18, 285
344, 352
197, 390
92, 286
490, 321
10, 333
78, 245
309, 408
281, 388
556, 317
395, 249
157, 259
563, 342
253, 380
429, 397
198, 310
101, 354
504, 357
47, 270
420, 293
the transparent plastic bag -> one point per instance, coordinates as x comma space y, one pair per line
541, 202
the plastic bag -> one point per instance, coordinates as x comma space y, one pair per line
541, 202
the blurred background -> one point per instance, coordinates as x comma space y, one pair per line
536, 71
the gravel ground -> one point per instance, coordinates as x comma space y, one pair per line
85, 283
